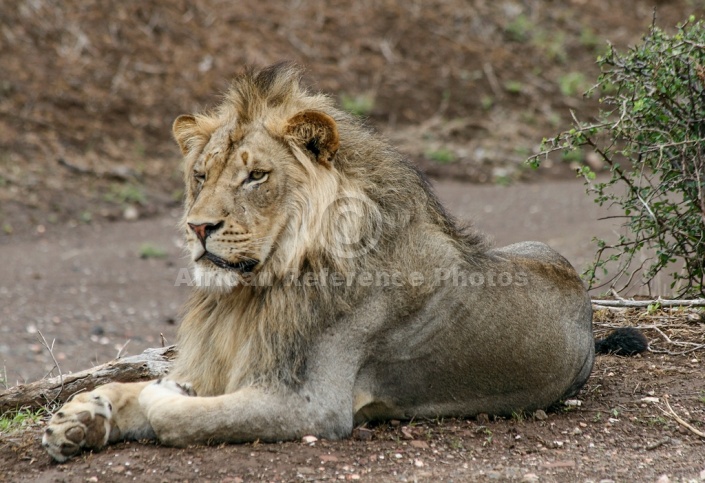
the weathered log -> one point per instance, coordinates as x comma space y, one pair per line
151, 364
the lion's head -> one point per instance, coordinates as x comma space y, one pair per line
260, 179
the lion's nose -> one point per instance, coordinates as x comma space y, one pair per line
204, 230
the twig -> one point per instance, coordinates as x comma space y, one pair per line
665, 337
668, 339
492, 79
657, 444
646, 303
693, 348
56, 364
73, 168
644, 327
119, 354
681, 353
672, 414
163, 339
616, 295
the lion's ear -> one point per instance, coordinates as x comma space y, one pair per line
317, 133
186, 132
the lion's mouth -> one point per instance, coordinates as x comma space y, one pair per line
244, 266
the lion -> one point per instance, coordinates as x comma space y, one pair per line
332, 289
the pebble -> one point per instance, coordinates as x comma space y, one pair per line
406, 433
573, 402
309, 439
541, 415
530, 478
131, 213
419, 444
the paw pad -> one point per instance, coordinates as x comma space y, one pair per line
75, 434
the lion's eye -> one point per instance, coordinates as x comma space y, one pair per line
199, 177
258, 176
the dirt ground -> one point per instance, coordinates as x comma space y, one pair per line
90, 192
616, 435
88, 292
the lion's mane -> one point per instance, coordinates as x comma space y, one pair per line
259, 331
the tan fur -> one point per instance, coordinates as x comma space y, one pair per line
281, 188
242, 354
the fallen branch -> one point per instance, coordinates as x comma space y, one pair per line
646, 303
151, 364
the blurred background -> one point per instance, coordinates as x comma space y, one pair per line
467, 89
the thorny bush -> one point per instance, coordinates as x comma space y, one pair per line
650, 133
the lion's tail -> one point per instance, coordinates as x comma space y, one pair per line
626, 341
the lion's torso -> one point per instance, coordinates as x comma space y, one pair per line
427, 320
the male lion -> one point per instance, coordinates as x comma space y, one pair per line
333, 289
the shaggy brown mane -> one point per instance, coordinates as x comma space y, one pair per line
260, 332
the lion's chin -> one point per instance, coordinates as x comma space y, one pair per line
216, 280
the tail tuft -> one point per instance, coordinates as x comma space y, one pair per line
626, 341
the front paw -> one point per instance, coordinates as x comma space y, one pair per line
83, 423
164, 389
